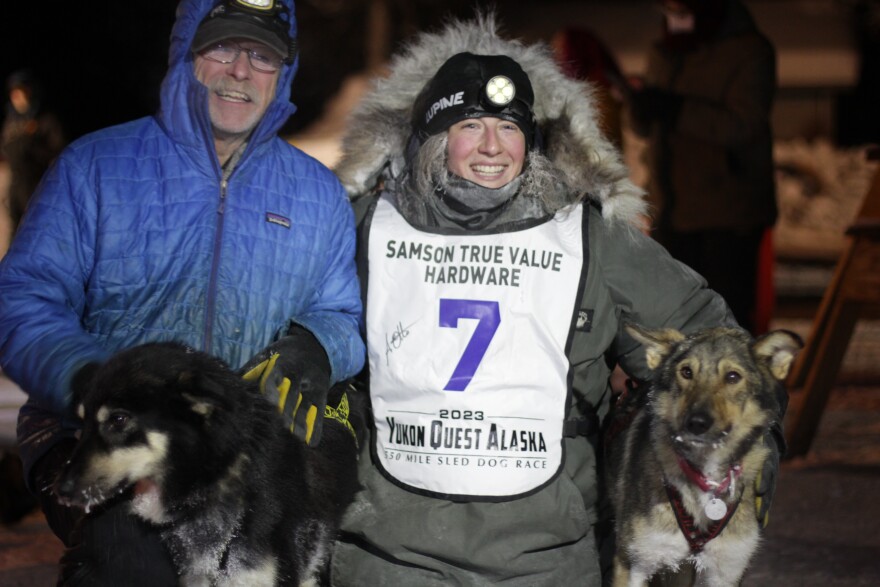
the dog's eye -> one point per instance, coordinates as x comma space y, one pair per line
686, 372
117, 421
732, 377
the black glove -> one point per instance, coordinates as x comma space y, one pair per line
294, 374
653, 104
765, 482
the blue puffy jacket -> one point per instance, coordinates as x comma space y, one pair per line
133, 236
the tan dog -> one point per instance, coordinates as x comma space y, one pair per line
689, 457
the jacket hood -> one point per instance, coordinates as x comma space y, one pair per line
737, 20
379, 129
184, 100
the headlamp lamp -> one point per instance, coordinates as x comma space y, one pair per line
262, 6
500, 90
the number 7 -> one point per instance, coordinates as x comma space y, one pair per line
489, 317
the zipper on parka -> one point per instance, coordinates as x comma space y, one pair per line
215, 263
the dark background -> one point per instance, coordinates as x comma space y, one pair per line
101, 62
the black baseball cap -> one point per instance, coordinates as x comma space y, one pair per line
263, 21
475, 86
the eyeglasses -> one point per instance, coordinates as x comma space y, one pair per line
261, 59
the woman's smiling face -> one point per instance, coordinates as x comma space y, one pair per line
487, 151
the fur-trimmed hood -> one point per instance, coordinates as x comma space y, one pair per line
379, 128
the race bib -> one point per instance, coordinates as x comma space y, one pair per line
467, 340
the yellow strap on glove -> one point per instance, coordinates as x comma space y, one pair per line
293, 373
275, 388
276, 394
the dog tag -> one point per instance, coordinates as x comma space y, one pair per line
715, 509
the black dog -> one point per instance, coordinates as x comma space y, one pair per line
204, 456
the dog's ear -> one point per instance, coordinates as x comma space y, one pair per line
204, 392
778, 349
81, 383
658, 343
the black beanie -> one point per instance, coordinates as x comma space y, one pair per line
475, 86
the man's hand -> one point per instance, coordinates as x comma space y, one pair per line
294, 374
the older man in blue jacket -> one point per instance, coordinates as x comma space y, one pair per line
198, 224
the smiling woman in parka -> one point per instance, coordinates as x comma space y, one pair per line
494, 314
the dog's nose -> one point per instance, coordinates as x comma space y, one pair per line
65, 486
698, 423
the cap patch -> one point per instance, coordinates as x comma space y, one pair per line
442, 104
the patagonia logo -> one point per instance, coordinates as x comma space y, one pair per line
442, 104
584, 321
276, 219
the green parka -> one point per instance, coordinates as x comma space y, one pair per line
392, 536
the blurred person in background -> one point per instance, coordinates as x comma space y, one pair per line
704, 107
583, 56
30, 140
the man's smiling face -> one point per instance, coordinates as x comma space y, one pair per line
238, 95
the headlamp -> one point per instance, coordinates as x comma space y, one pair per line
475, 86
500, 90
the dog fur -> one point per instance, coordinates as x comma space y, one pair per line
698, 430
201, 454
